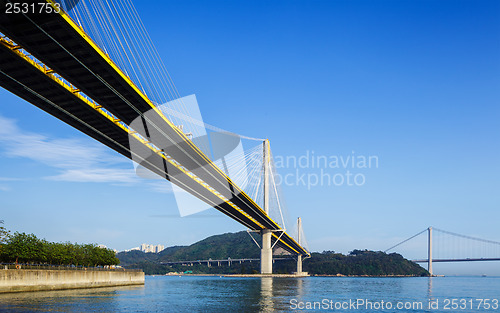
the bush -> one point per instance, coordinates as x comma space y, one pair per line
27, 248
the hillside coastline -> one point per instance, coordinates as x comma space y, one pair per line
358, 263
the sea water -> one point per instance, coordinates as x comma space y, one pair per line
271, 294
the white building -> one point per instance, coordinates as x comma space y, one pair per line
151, 248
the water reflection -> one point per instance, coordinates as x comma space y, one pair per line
168, 294
276, 292
266, 294
255, 294
300, 287
65, 300
429, 288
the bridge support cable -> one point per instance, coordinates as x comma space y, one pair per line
103, 126
249, 232
404, 241
154, 123
451, 245
236, 196
118, 29
129, 43
445, 246
55, 37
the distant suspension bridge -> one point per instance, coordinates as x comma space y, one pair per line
446, 246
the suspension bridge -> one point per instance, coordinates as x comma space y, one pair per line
445, 246
94, 67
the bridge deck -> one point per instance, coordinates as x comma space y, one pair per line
18, 74
457, 260
220, 261
62, 46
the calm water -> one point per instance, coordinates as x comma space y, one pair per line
216, 294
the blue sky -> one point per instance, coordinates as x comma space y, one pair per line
415, 83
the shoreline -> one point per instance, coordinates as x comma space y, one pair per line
233, 275
288, 275
28, 280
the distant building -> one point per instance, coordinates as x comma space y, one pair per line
147, 248
144, 248
151, 248
159, 248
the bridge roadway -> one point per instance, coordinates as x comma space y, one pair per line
457, 260
71, 78
229, 260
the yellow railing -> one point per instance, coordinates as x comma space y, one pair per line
98, 108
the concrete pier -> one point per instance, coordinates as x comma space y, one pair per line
299, 257
266, 253
299, 264
18, 280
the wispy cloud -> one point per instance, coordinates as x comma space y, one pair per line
161, 186
9, 179
4, 187
76, 160
98, 175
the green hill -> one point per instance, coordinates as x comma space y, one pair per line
229, 245
358, 263
240, 245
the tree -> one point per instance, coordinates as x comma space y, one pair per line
22, 247
4, 233
27, 248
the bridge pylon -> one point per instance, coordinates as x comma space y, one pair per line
266, 251
299, 257
429, 251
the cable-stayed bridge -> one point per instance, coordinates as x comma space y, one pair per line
445, 246
96, 69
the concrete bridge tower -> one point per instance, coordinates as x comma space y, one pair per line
429, 252
266, 252
299, 257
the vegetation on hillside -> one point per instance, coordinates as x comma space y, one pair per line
233, 245
240, 245
358, 263
27, 248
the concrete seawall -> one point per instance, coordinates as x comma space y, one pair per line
17, 280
